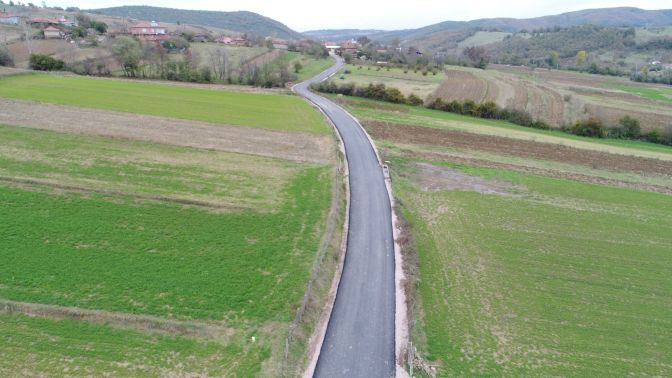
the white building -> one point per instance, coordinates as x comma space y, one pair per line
9, 19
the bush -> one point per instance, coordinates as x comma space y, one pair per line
414, 100
591, 127
5, 58
617, 132
631, 126
488, 110
394, 96
41, 62
655, 136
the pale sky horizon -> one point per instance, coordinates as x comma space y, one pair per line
304, 15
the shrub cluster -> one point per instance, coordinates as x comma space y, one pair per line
488, 110
41, 62
373, 91
627, 128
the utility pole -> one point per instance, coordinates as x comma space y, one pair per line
28, 45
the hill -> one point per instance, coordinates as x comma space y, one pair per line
340, 34
623, 16
241, 21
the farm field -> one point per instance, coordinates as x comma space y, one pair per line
281, 112
560, 97
311, 66
532, 256
140, 255
407, 83
653, 93
557, 97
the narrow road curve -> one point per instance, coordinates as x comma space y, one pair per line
360, 336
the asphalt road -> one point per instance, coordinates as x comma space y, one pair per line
360, 336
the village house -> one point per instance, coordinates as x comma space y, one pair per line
150, 31
332, 47
231, 41
9, 19
52, 32
350, 47
40, 22
280, 44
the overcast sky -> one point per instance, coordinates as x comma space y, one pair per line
303, 15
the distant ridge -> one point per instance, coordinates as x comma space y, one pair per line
622, 16
241, 21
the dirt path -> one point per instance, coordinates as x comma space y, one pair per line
290, 146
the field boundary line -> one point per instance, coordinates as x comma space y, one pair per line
200, 329
137, 196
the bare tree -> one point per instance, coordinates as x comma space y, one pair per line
219, 61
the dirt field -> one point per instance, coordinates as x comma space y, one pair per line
294, 146
557, 97
529, 149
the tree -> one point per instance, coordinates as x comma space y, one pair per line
128, 53
297, 67
219, 60
83, 20
581, 58
553, 59
645, 72
477, 56
98, 26
347, 58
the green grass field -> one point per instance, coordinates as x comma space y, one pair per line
542, 276
94, 252
45, 347
659, 94
278, 112
407, 83
135, 168
126, 229
568, 279
311, 66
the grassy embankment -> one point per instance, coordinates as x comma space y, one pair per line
125, 229
532, 266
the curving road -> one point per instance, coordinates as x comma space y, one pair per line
359, 341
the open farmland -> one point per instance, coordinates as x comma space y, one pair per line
560, 97
533, 254
280, 112
174, 253
556, 97
407, 82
